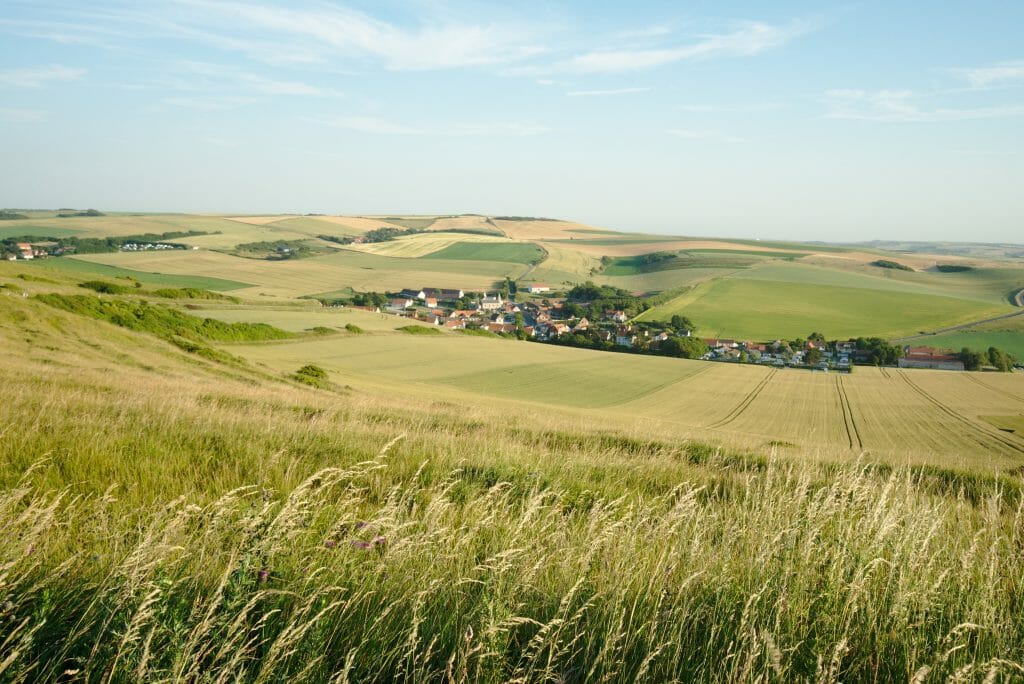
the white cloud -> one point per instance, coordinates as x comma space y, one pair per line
366, 124
750, 39
37, 77
713, 136
995, 74
602, 93
341, 31
706, 109
901, 106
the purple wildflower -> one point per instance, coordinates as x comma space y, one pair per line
330, 543
264, 575
361, 544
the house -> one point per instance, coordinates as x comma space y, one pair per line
582, 325
537, 288
441, 295
462, 313
619, 316
455, 324
401, 303
624, 337
501, 328
430, 302
25, 249
489, 303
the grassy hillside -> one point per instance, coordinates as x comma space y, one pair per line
171, 517
768, 309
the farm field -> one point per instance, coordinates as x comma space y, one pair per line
296, 278
88, 269
890, 415
738, 306
424, 244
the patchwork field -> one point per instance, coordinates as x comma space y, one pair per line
890, 415
342, 269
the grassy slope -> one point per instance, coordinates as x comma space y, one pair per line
495, 550
80, 267
1007, 335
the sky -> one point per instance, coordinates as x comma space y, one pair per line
791, 120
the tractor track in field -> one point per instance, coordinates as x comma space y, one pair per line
852, 431
738, 410
1008, 395
975, 428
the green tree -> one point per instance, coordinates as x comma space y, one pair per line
1000, 359
812, 357
971, 359
682, 323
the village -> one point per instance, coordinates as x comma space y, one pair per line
543, 316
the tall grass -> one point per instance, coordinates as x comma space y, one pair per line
165, 518
355, 575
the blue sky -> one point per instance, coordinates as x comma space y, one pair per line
865, 120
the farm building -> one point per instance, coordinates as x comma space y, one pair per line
537, 288
440, 295
927, 357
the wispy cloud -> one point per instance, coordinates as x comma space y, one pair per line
713, 136
714, 108
211, 103
995, 74
903, 106
750, 38
37, 77
376, 125
13, 115
339, 31
603, 93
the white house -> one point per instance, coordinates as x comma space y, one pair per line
489, 303
537, 288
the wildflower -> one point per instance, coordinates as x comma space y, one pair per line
380, 541
264, 575
330, 543
356, 543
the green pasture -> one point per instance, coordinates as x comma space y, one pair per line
513, 252
755, 309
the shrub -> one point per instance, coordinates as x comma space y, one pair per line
353, 328
104, 287
885, 263
419, 330
313, 375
